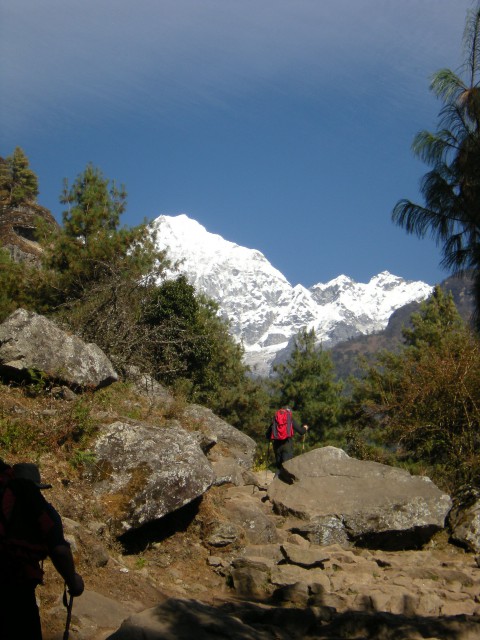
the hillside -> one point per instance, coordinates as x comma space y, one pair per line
57, 434
175, 560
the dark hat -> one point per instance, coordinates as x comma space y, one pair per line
29, 471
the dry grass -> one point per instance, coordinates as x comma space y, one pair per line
35, 422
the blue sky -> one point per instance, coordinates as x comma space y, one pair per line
282, 125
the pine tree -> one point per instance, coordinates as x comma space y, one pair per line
94, 206
451, 189
18, 285
92, 248
193, 351
5, 182
23, 181
7, 279
436, 320
172, 310
306, 383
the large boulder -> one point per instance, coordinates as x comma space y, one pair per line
147, 386
230, 451
31, 343
144, 472
226, 439
464, 519
350, 501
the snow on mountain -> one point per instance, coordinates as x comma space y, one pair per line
264, 309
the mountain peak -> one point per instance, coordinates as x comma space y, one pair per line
339, 281
187, 232
264, 310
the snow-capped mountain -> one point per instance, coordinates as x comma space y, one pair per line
264, 309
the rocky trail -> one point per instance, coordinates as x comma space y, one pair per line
177, 537
193, 581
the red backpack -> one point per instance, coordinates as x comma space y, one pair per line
282, 427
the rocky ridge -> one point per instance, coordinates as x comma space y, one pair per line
264, 309
345, 355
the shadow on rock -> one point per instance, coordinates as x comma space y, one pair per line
137, 540
180, 619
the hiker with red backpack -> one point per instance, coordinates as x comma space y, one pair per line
30, 530
281, 433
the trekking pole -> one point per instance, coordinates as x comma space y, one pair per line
268, 459
68, 603
303, 440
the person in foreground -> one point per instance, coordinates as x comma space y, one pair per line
281, 433
30, 530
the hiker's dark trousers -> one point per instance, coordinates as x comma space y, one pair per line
19, 617
283, 450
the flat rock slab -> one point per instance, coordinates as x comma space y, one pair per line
101, 611
307, 558
184, 620
93, 612
360, 501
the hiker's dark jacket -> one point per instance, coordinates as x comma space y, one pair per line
30, 528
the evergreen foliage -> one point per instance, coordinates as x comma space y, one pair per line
306, 383
225, 384
97, 275
10, 285
423, 404
451, 189
91, 250
200, 358
18, 285
173, 309
5, 182
436, 320
94, 206
18, 183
